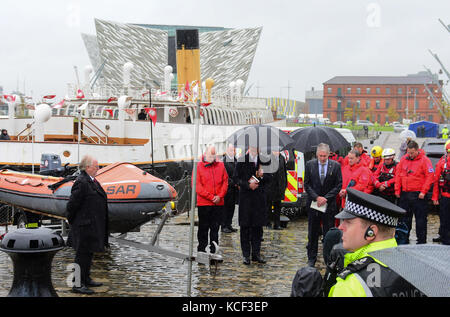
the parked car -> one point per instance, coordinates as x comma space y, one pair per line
434, 149
364, 122
339, 123
400, 127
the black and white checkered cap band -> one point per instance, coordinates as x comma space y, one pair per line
362, 211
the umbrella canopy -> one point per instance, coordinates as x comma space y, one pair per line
407, 134
424, 266
265, 137
307, 139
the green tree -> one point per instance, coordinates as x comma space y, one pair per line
392, 114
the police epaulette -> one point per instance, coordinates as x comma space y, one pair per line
355, 266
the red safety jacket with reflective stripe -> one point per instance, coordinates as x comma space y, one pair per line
414, 175
212, 180
440, 170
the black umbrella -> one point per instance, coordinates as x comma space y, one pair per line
265, 137
307, 139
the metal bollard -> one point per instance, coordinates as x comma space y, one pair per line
32, 252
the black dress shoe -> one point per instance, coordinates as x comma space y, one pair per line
92, 283
311, 263
246, 260
232, 229
437, 239
277, 228
226, 230
258, 259
82, 290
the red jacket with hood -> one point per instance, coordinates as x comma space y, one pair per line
212, 180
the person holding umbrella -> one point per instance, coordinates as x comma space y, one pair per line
251, 180
368, 224
323, 181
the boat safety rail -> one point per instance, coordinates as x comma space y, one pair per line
96, 130
27, 136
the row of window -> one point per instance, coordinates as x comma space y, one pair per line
387, 104
411, 91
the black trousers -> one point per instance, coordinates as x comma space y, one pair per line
444, 215
314, 219
251, 240
209, 218
418, 208
84, 260
228, 211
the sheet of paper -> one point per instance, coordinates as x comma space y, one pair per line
322, 208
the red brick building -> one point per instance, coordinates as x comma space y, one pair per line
373, 98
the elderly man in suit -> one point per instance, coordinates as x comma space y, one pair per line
252, 203
323, 181
87, 213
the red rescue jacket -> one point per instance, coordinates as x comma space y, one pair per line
364, 159
440, 169
386, 176
414, 175
361, 176
212, 180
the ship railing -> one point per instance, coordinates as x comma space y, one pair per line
224, 98
102, 137
26, 133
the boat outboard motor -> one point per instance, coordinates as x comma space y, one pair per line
51, 165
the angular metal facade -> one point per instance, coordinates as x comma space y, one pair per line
122, 43
226, 55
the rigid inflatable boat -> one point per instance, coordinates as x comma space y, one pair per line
134, 196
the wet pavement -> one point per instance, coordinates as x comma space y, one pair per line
128, 272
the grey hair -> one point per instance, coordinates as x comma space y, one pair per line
355, 153
323, 147
86, 161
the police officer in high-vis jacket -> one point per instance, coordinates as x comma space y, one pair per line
368, 224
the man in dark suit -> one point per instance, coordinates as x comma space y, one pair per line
276, 189
87, 213
229, 160
323, 181
252, 204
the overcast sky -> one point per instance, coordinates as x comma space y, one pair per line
303, 42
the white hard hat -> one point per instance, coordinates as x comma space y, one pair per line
388, 153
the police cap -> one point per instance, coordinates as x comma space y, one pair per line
373, 208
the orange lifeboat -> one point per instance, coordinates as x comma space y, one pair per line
134, 196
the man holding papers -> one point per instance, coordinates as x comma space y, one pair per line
323, 181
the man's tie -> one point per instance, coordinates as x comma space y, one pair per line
322, 173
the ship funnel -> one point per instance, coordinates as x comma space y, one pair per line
188, 57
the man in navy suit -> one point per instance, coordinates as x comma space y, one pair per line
323, 181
